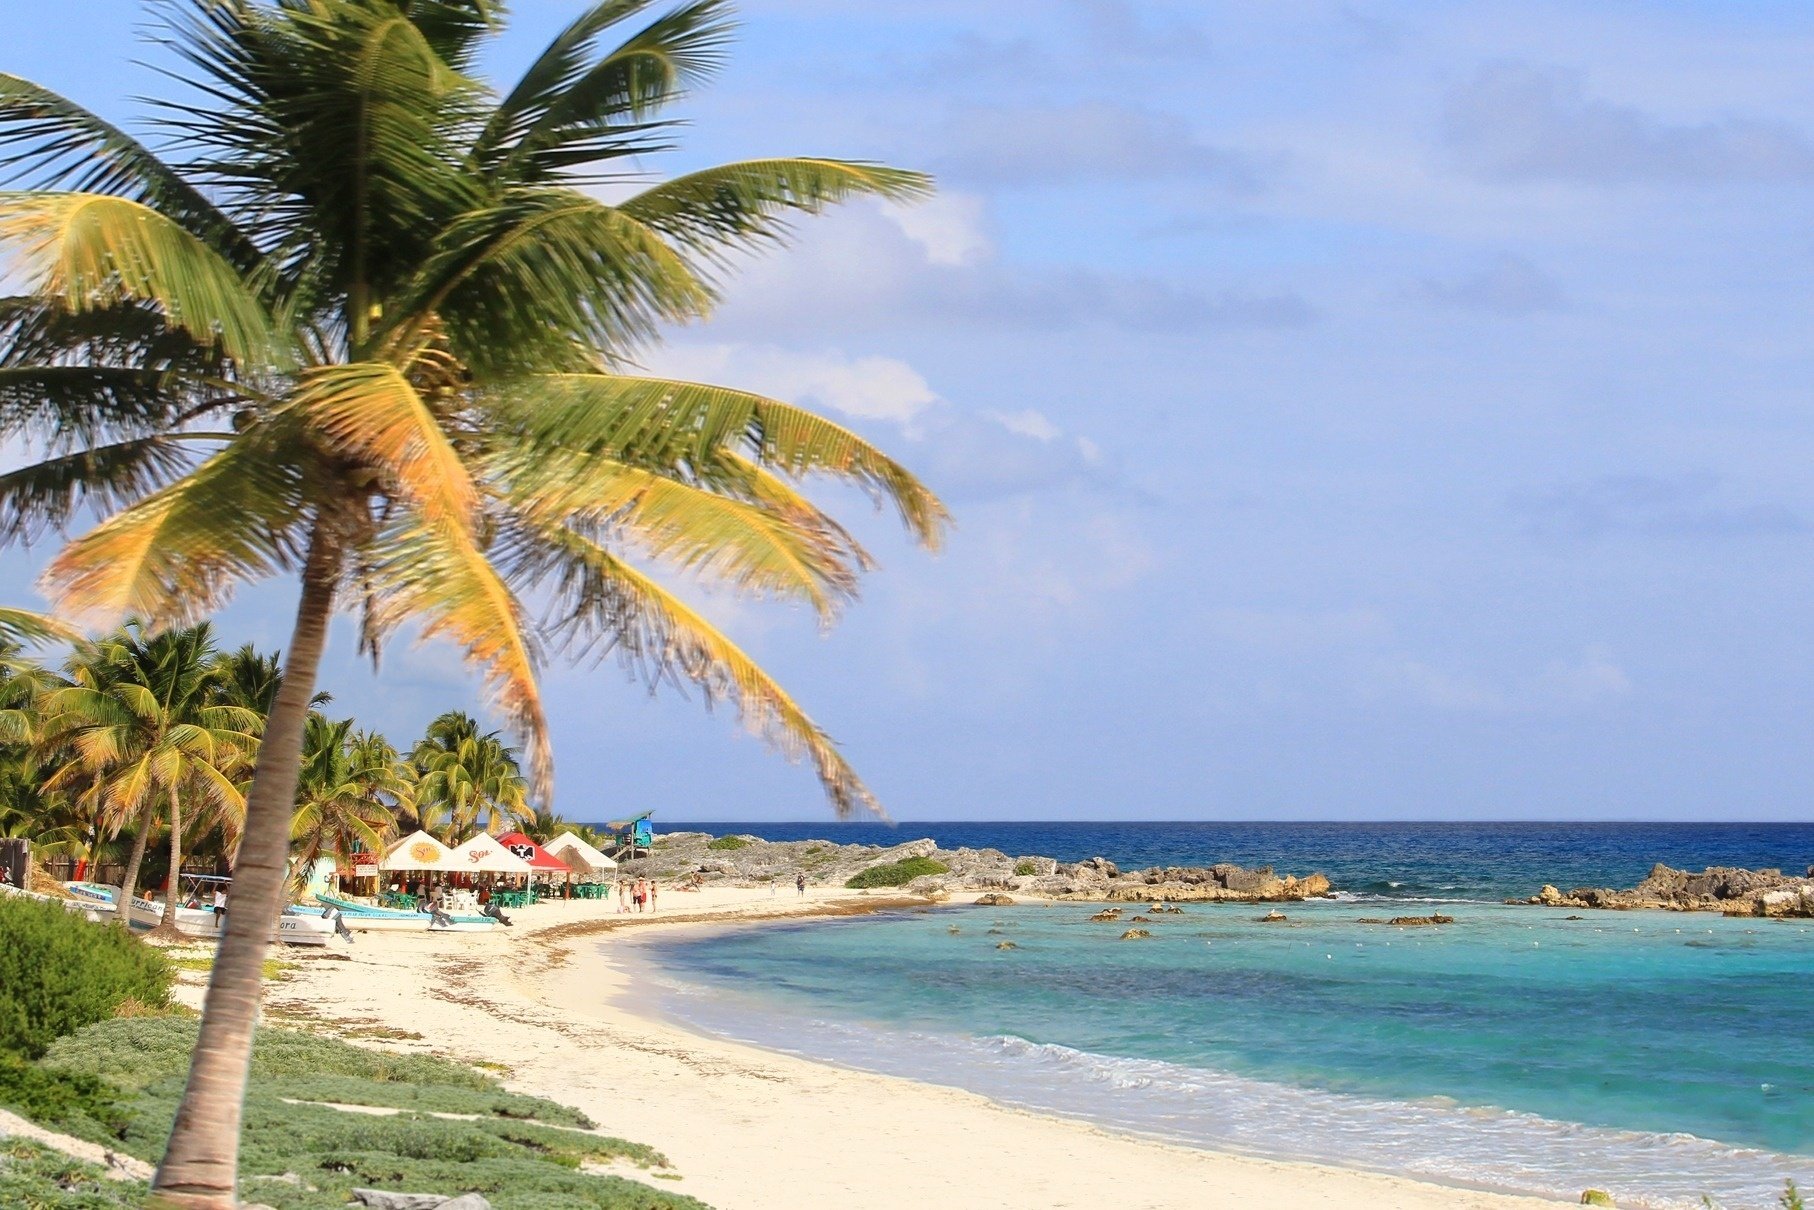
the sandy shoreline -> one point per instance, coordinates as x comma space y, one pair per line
747, 1129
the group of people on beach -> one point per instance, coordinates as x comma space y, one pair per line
635, 894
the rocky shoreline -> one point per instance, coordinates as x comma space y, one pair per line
1731, 891
924, 868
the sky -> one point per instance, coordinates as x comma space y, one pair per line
1349, 410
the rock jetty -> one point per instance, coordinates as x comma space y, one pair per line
752, 861
1724, 889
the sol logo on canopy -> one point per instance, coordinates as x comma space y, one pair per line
424, 850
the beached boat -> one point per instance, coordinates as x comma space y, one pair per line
364, 917
297, 926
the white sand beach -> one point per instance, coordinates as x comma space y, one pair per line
747, 1129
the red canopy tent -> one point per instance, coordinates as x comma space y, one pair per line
539, 859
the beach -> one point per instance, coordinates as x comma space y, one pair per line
556, 1002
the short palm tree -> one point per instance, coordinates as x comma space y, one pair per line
468, 776
351, 784
141, 728
364, 319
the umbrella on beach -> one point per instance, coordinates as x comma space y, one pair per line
539, 859
578, 855
417, 853
484, 854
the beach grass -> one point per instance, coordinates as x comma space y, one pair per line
896, 873
305, 1145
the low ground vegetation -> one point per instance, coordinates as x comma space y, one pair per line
60, 972
117, 1083
897, 873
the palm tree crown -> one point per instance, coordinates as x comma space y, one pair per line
465, 776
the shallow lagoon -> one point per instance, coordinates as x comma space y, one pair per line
1660, 1055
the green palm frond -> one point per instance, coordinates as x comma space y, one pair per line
599, 278
454, 29
602, 111
720, 210
21, 626
50, 142
91, 250
660, 424
106, 477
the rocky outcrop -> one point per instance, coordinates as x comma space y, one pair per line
1725, 889
687, 857
994, 899
1135, 934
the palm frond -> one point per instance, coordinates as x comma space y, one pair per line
437, 579
558, 68
91, 250
370, 412
597, 277
660, 424
177, 554
603, 111
728, 540
454, 28
602, 606
49, 142
718, 210
21, 626
46, 494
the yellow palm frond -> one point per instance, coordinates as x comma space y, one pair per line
371, 412
25, 626
661, 423
605, 606
738, 543
436, 578
177, 554
91, 249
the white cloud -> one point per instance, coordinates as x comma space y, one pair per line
1029, 422
949, 226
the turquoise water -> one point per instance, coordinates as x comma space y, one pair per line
1662, 1056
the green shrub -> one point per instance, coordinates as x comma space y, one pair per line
897, 873
1026, 867
60, 972
52, 1097
727, 844
1791, 1198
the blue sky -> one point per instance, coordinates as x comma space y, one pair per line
1351, 410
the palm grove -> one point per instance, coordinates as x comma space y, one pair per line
354, 314
140, 736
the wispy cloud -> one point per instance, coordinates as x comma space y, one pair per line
1682, 506
1509, 285
1521, 122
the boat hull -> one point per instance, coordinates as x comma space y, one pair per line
362, 918
293, 928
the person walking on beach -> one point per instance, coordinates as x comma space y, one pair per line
623, 895
651, 894
800, 883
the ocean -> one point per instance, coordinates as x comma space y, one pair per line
1663, 1057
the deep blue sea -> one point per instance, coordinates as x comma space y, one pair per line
1661, 1056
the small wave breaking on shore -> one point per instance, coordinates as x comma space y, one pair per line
1432, 1138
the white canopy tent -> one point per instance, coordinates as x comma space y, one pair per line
484, 855
418, 853
582, 857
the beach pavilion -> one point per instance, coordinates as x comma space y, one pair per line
540, 860
485, 854
417, 853
582, 859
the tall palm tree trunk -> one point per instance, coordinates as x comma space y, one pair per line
200, 1166
171, 893
129, 882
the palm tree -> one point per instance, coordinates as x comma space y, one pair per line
142, 726
351, 784
464, 775
371, 325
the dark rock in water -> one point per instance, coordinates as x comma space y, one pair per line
1006, 945
1417, 921
953, 930
1165, 909
1135, 934
1574, 918
1726, 889
1107, 914
1141, 920
1272, 917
